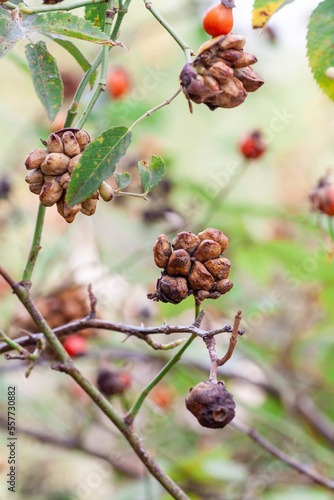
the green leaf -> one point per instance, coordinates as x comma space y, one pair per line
96, 14
10, 32
122, 180
320, 41
46, 79
97, 163
78, 56
152, 173
264, 9
62, 23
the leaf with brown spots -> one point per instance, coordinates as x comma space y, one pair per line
97, 163
264, 9
10, 32
62, 23
45, 76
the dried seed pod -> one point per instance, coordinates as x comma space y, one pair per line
55, 164
232, 41
83, 139
221, 72
223, 286
199, 277
232, 95
162, 250
36, 188
250, 79
51, 192
215, 235
245, 59
34, 177
230, 55
106, 191
211, 83
219, 268
170, 289
179, 263
186, 241
207, 250
73, 163
65, 180
71, 145
35, 158
211, 404
55, 144
61, 210
89, 206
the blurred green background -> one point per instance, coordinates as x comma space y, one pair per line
281, 374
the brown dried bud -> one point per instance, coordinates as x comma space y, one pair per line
73, 163
179, 263
83, 139
35, 177
207, 250
245, 59
35, 158
250, 79
232, 95
36, 188
162, 250
61, 205
219, 268
211, 83
65, 180
106, 191
221, 72
111, 382
51, 192
224, 286
215, 235
55, 164
55, 144
200, 278
211, 404
89, 206
232, 41
186, 241
172, 290
71, 145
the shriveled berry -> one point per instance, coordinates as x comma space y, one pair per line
35, 158
200, 278
55, 144
207, 250
35, 176
211, 404
83, 139
186, 241
219, 268
224, 286
51, 192
111, 382
162, 250
175, 289
88, 207
179, 263
73, 163
71, 145
215, 235
55, 164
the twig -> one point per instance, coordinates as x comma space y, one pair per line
156, 108
184, 46
29, 11
133, 412
233, 339
67, 366
71, 443
92, 301
276, 452
23, 353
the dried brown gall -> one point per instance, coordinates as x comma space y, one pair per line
200, 278
186, 241
179, 263
162, 250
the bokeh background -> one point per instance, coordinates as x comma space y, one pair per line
281, 374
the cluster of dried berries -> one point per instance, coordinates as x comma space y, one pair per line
322, 196
192, 264
50, 172
221, 76
211, 404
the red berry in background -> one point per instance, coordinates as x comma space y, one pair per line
75, 345
118, 83
253, 146
163, 396
218, 20
322, 196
